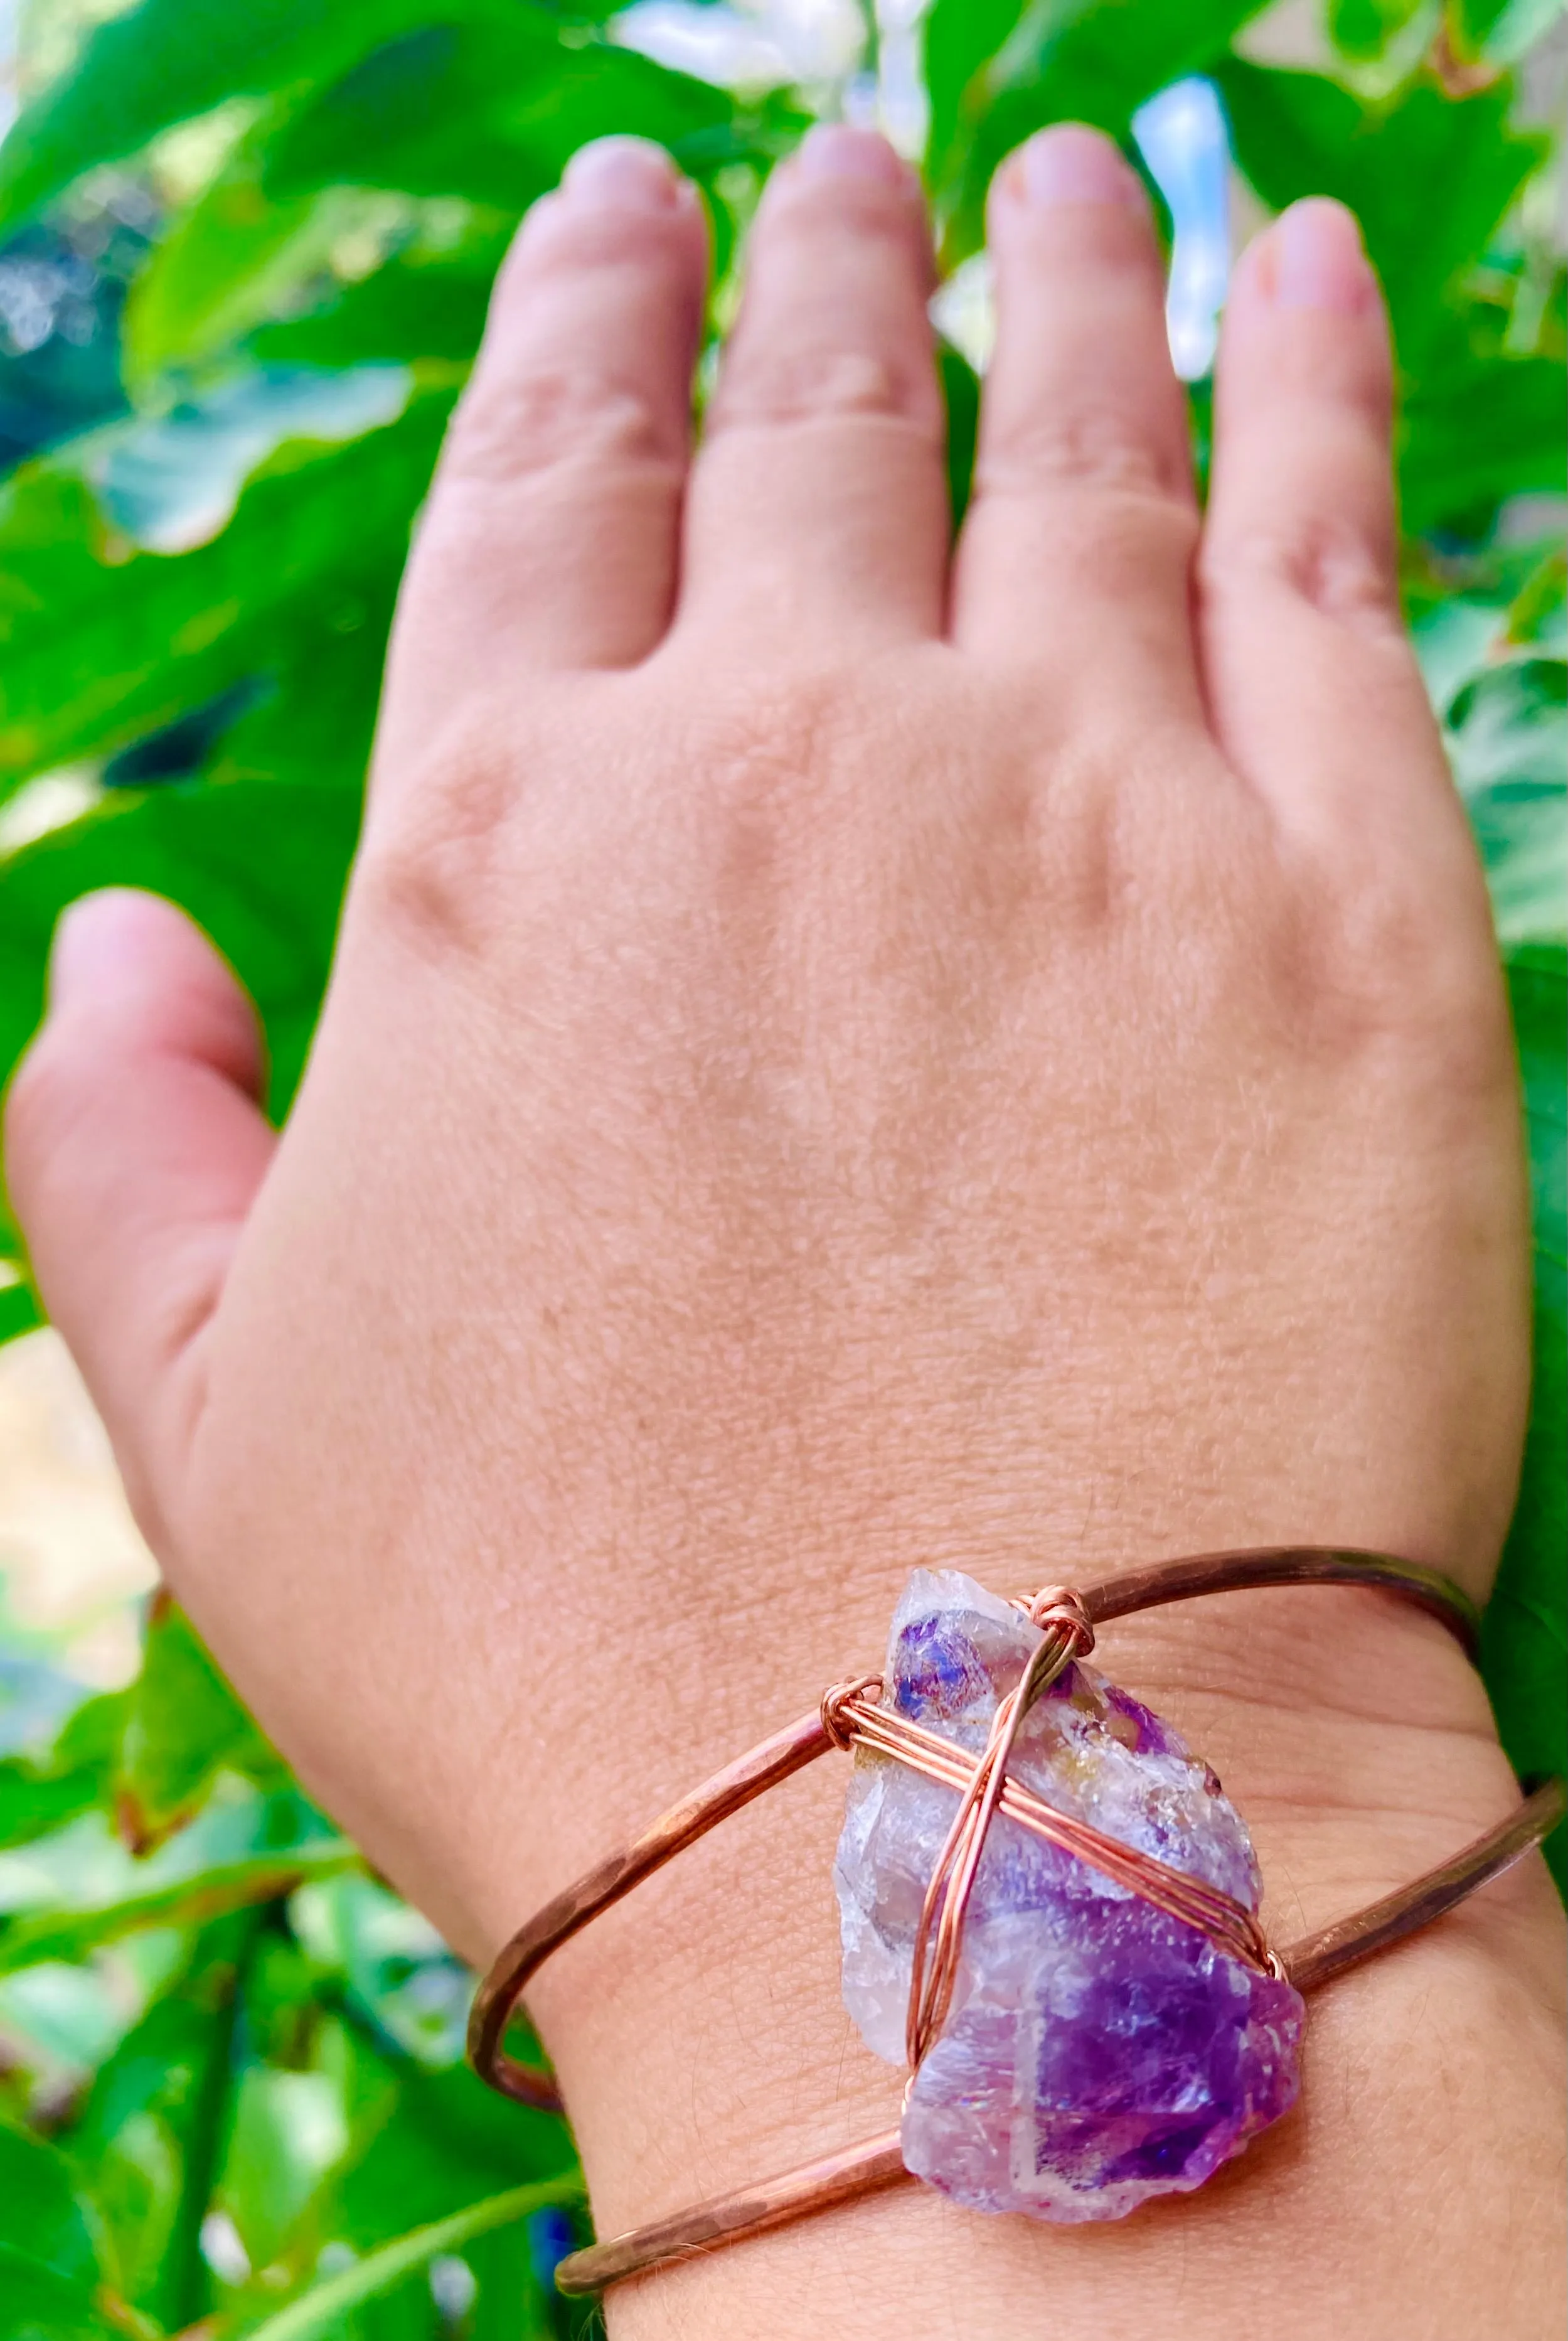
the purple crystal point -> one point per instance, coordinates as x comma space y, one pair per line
1097, 2052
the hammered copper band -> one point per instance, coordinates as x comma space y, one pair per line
876, 2163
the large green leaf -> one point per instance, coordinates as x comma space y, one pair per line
152, 2124
235, 259
961, 38
447, 2140
1062, 61
183, 1726
1428, 176
38, 2188
49, 2272
490, 109
168, 60
35, 2305
420, 305
1476, 426
101, 643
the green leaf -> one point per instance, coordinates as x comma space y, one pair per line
1524, 1633
1501, 30
168, 61
1364, 28
1428, 176
447, 2140
1068, 60
183, 1726
289, 2133
1475, 428
1509, 750
961, 394
491, 110
153, 2124
37, 2305
418, 306
38, 2188
318, 2312
20, 1312
961, 38
102, 643
50, 2279
187, 1902
39, 1796
234, 260
35, 1802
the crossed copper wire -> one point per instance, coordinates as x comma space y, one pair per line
853, 1716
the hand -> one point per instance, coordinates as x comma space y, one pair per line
836, 1060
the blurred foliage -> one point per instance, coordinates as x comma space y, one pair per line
231, 2097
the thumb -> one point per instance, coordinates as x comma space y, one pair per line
134, 1147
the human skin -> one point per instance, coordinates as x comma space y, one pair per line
842, 1057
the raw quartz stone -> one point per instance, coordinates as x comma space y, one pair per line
1097, 2052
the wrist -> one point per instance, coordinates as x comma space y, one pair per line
1354, 1793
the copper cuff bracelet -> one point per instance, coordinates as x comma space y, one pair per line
1045, 1701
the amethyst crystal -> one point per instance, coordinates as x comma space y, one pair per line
1097, 2052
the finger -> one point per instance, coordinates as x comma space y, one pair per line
1076, 548
133, 1147
1312, 686
551, 535
817, 505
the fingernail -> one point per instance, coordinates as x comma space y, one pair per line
1319, 260
96, 944
1070, 164
832, 151
623, 174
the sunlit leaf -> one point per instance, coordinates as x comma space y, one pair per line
183, 1726
187, 1902
153, 2123
1428, 176
168, 60
101, 642
1062, 61
236, 259
319, 2311
491, 110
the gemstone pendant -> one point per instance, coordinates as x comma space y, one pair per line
1097, 2051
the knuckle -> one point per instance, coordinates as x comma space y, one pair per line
1107, 546
430, 871
1387, 964
515, 424
811, 384
1332, 564
1102, 455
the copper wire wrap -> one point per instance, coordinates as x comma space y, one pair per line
851, 1716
